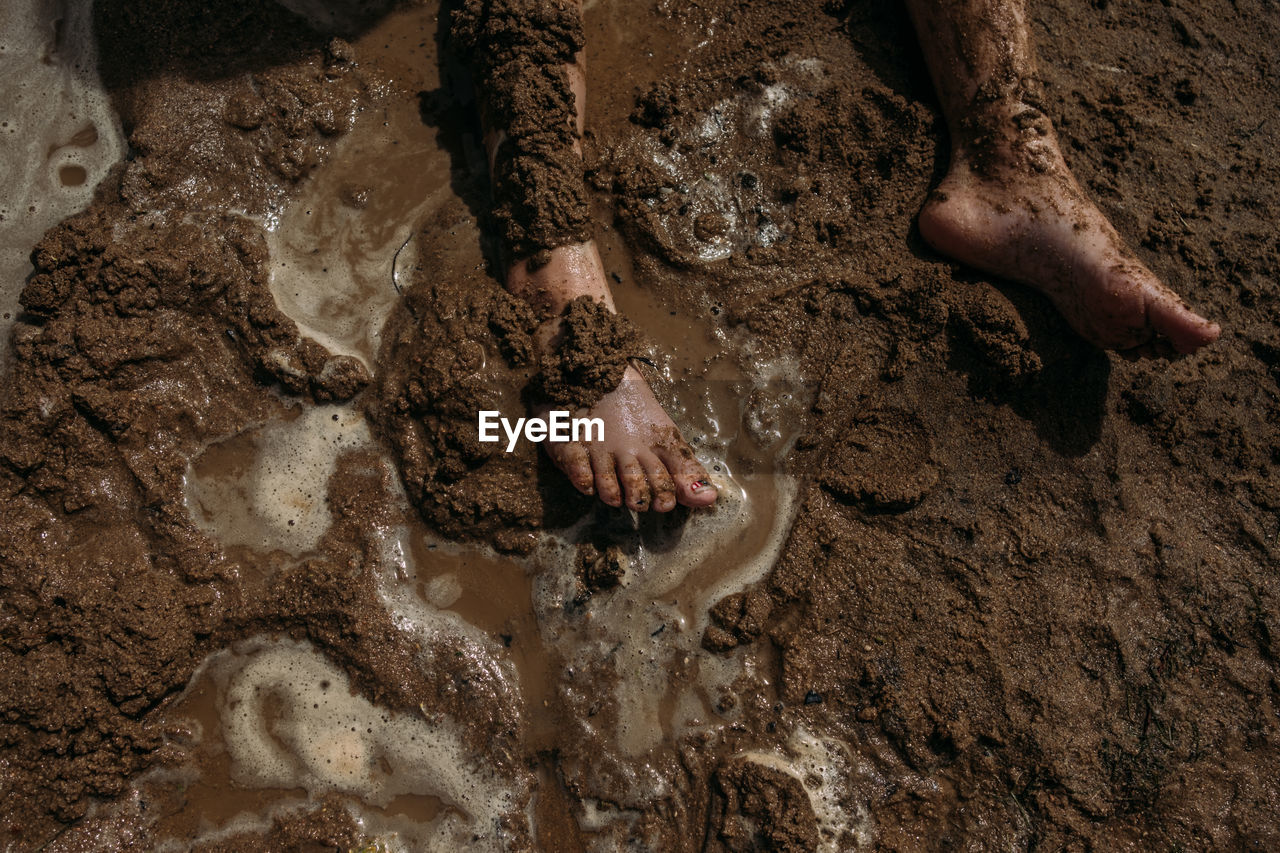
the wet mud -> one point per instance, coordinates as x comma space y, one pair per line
969, 583
588, 357
517, 52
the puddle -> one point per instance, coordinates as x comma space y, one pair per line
333, 247
58, 133
278, 726
265, 488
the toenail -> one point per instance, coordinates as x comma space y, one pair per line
699, 485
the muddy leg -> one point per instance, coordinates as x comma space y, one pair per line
1010, 206
533, 106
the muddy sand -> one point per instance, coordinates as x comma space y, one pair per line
971, 584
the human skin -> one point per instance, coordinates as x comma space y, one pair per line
643, 462
1009, 205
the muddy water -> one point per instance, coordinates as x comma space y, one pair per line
265, 488
275, 724
333, 249
58, 133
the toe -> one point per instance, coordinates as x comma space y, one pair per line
606, 479
660, 482
693, 486
574, 460
1170, 317
635, 485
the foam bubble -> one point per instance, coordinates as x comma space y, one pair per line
291, 720
823, 768
278, 499
56, 123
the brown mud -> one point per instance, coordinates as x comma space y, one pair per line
588, 357
971, 583
517, 51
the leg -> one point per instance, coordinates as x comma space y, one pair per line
1010, 206
643, 460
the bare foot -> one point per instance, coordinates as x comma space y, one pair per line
1010, 206
643, 460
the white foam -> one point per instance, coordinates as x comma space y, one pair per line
281, 501
443, 591
823, 768
291, 720
54, 114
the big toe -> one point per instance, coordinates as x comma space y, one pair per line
1170, 317
692, 485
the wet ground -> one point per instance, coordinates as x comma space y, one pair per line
969, 584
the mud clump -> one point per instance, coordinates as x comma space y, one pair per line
254, 100
737, 618
462, 345
588, 357
597, 569
518, 50
760, 808
120, 303
885, 463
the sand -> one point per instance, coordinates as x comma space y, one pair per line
971, 582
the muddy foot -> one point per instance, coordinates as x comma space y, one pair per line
643, 460
1021, 214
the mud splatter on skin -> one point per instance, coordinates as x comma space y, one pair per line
518, 50
1004, 106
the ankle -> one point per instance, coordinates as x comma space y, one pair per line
1005, 139
559, 276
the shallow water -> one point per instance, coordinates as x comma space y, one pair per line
59, 135
333, 248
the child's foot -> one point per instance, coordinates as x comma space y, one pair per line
643, 461
1010, 206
